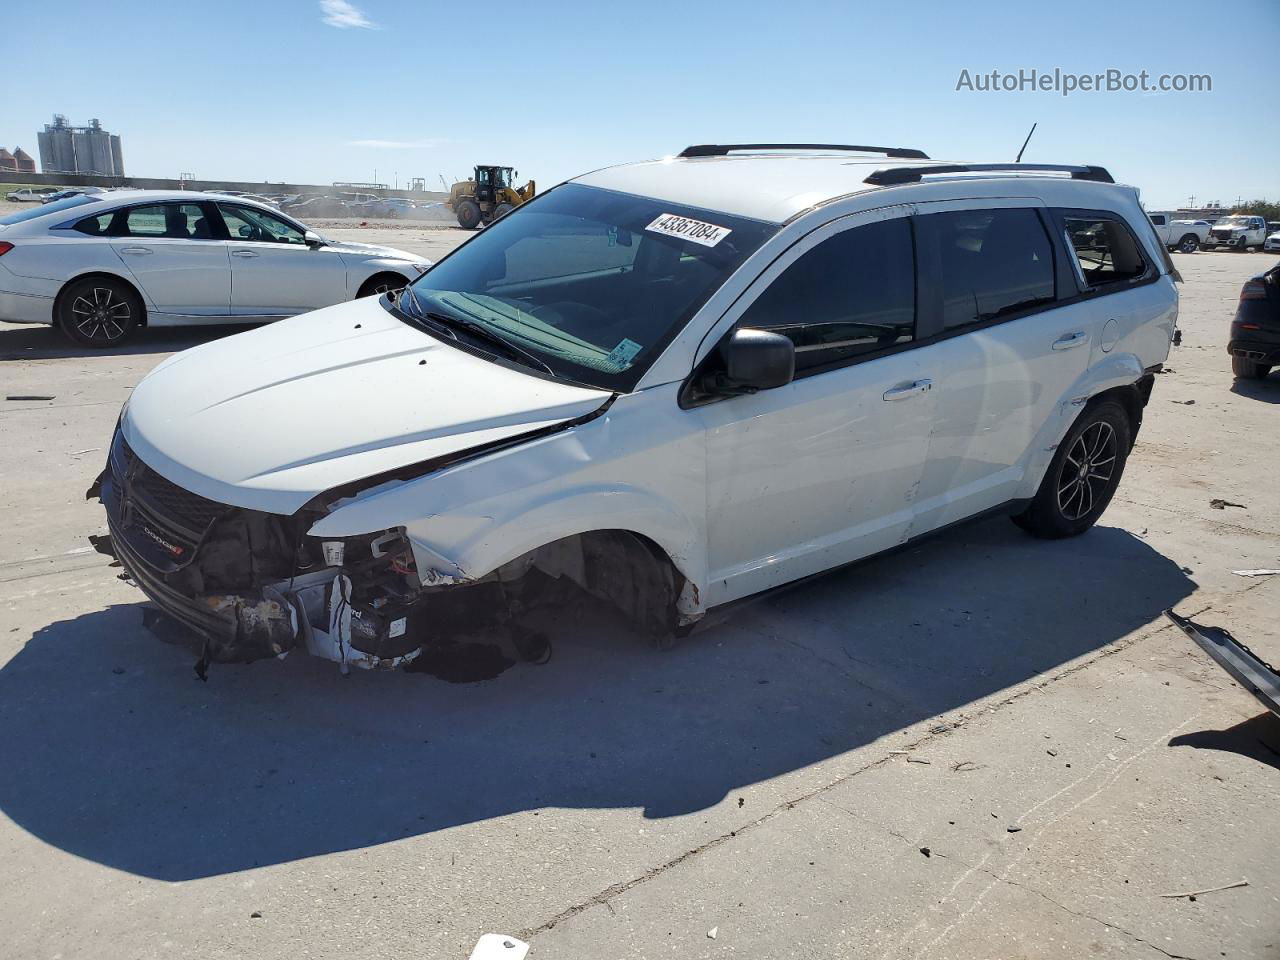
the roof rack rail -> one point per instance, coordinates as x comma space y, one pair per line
722, 149
889, 176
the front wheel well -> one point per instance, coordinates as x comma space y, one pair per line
90, 275
382, 276
627, 570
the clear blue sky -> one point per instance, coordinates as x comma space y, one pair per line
267, 89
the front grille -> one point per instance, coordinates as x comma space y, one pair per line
161, 497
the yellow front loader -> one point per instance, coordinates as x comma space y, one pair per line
488, 196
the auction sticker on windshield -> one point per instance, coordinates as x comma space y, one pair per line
707, 234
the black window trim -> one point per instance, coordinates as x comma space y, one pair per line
1083, 291
120, 215
929, 329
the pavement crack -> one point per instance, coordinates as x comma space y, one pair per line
934, 733
1084, 916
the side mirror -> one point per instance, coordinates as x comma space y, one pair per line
314, 240
757, 360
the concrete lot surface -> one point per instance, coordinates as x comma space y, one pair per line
984, 746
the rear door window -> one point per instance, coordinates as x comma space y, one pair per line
991, 263
167, 221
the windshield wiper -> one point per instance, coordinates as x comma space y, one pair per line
481, 332
444, 323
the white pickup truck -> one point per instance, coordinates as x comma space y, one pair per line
1240, 231
1183, 235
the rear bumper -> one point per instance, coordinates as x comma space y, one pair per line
25, 307
1260, 345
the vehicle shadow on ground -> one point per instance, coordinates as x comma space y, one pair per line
1267, 389
1257, 738
113, 751
39, 342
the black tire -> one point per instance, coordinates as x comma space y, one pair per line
1083, 475
468, 212
501, 210
99, 312
1189, 244
1247, 369
381, 283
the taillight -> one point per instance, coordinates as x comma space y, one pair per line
5, 248
1253, 289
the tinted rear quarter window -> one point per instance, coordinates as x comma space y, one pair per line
43, 211
991, 263
1104, 248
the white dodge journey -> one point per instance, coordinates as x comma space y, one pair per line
671, 385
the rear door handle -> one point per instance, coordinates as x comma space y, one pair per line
1069, 341
907, 390
136, 251
244, 253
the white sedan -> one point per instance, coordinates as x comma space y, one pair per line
100, 266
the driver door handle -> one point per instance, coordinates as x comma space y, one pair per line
244, 253
907, 390
136, 251
1069, 341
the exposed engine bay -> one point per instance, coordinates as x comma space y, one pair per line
252, 585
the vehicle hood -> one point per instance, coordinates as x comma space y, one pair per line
270, 418
372, 251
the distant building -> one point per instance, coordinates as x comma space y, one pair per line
7, 162
68, 149
25, 162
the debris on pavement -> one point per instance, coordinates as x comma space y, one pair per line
964, 766
712, 933
926, 851
1185, 403
24, 396
1218, 504
1195, 893
1013, 829
1264, 572
1247, 668
491, 946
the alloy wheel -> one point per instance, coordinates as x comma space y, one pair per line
1087, 470
101, 315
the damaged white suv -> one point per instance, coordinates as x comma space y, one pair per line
673, 384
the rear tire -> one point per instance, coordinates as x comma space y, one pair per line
1189, 244
1246, 369
1083, 475
99, 312
468, 212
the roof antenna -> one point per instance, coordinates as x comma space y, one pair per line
1018, 159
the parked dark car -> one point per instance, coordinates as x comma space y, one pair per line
1255, 332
